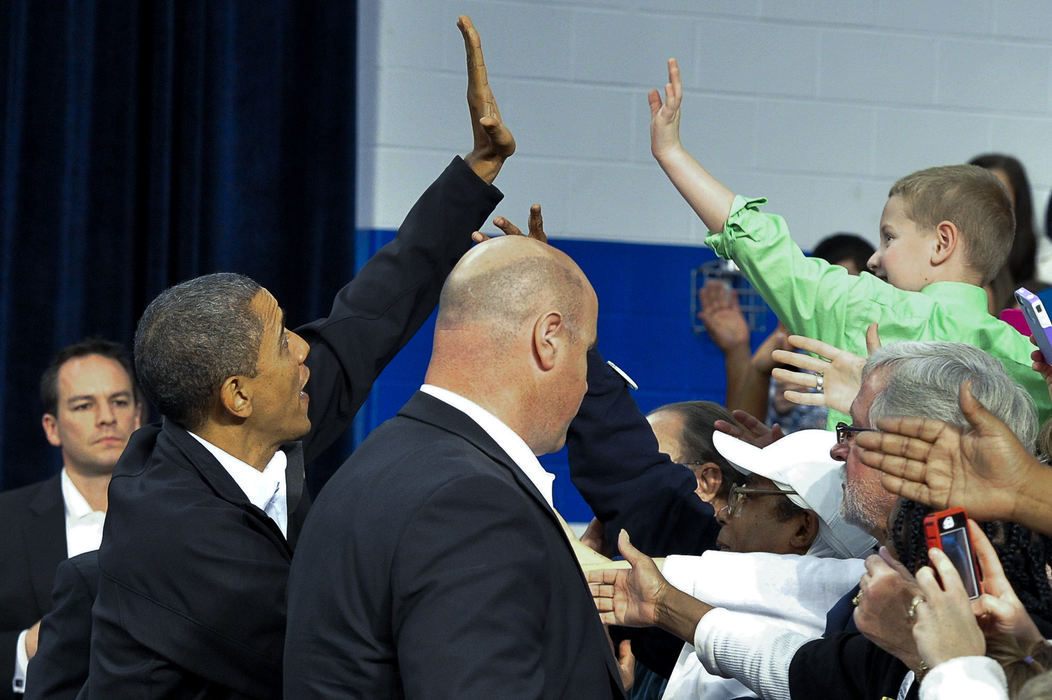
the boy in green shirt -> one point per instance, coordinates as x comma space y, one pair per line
944, 232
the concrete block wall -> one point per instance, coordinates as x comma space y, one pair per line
818, 105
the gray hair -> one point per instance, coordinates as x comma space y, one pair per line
191, 338
924, 379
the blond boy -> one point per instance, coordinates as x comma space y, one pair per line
944, 232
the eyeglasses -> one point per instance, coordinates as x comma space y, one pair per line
845, 433
738, 495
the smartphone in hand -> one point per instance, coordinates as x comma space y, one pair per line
948, 530
1037, 319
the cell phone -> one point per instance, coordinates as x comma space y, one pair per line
1037, 319
948, 530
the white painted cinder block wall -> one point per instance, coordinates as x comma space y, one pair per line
818, 105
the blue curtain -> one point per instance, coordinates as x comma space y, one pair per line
145, 143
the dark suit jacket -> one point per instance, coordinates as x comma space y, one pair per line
60, 667
628, 483
847, 667
192, 576
431, 567
33, 543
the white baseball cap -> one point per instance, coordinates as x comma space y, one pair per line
800, 462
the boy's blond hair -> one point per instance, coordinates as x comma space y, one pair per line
974, 200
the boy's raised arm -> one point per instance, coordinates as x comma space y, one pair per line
709, 198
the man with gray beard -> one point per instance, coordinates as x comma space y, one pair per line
905, 379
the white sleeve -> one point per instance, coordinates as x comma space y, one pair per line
18, 682
789, 587
749, 648
972, 677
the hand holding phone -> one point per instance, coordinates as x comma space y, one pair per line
1037, 319
948, 530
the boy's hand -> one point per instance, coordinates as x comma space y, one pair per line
664, 118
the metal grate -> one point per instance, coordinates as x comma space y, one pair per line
752, 304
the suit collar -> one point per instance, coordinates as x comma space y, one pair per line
45, 532
507, 439
197, 458
48, 497
428, 409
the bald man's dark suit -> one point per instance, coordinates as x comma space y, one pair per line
32, 545
431, 566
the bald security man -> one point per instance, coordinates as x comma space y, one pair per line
433, 564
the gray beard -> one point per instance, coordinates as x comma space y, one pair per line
855, 510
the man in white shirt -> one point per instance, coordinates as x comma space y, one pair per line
91, 407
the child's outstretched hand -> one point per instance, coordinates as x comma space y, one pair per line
664, 118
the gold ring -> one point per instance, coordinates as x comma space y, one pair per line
857, 599
912, 612
819, 382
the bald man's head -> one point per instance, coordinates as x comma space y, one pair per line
503, 283
515, 321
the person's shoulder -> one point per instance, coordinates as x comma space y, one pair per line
19, 499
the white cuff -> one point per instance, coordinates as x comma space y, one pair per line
972, 677
18, 683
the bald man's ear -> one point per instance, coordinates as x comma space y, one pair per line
236, 397
547, 338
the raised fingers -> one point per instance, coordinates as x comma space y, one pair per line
802, 342
536, 224
674, 88
800, 360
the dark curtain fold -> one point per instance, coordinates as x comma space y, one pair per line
145, 143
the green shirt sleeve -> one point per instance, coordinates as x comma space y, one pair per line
819, 300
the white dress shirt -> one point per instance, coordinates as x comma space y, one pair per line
264, 489
83, 525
